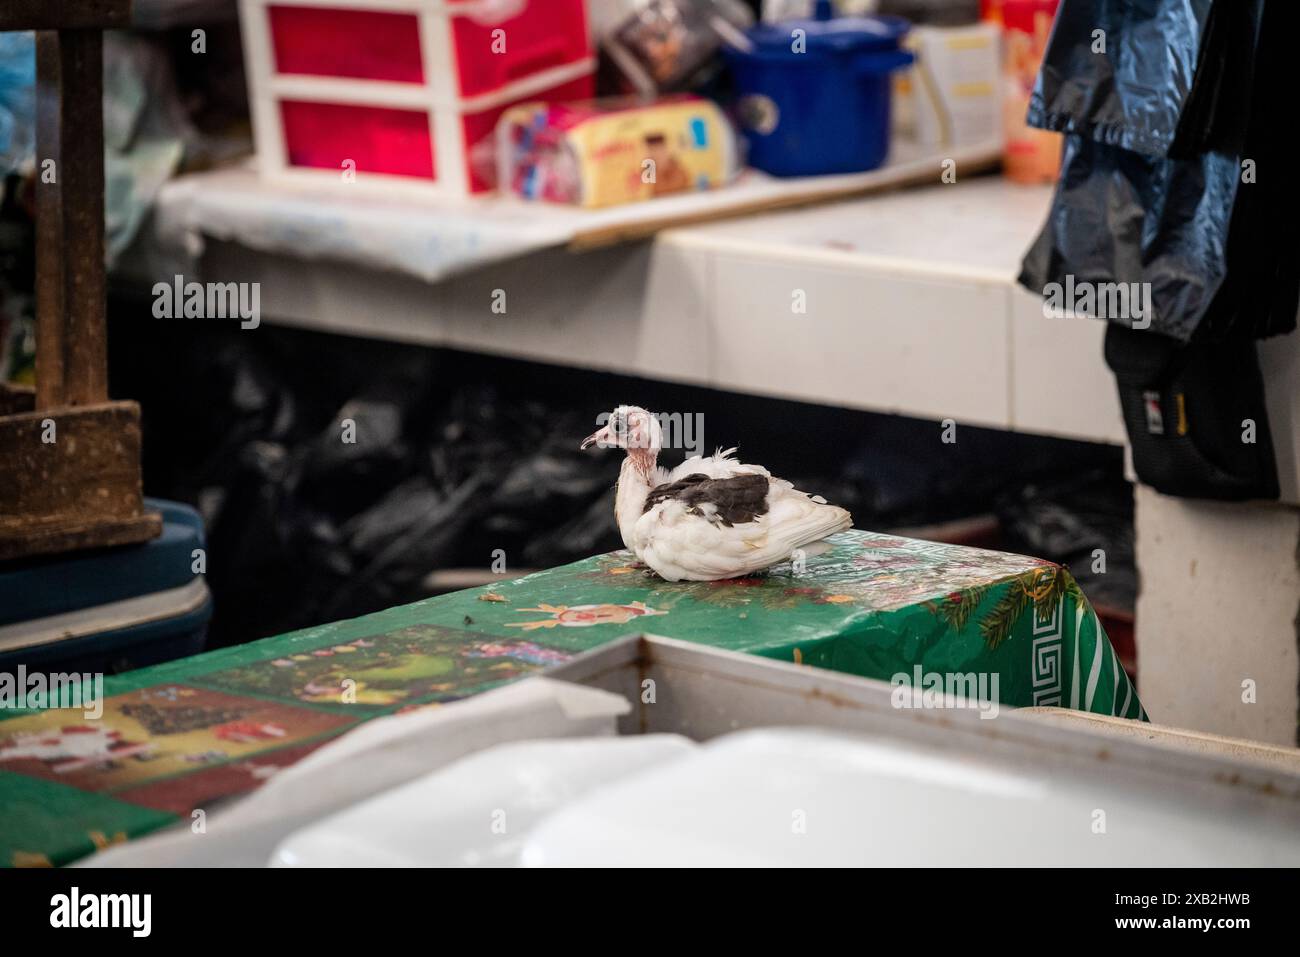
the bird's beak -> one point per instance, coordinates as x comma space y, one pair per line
600, 436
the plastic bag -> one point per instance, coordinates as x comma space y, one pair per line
1170, 123
1158, 224
663, 45
1120, 72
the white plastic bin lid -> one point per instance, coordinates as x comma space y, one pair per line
478, 811
812, 797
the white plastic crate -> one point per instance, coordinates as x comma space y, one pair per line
403, 94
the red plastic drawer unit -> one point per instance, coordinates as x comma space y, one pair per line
365, 44
403, 92
375, 139
540, 36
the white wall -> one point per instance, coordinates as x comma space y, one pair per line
1219, 605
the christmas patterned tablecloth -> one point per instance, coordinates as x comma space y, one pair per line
193, 732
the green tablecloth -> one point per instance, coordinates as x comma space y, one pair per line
191, 733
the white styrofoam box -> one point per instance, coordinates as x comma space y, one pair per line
375, 757
402, 94
478, 811
810, 797
1060, 384
911, 344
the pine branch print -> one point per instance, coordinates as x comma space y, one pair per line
957, 609
997, 625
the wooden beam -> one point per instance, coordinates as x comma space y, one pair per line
64, 14
600, 236
15, 399
71, 335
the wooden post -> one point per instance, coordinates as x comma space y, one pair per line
51, 307
71, 356
69, 458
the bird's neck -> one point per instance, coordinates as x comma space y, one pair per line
635, 480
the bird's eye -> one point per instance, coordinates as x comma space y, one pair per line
620, 424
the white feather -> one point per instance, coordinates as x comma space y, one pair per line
718, 465
679, 544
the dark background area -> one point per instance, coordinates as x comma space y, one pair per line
458, 455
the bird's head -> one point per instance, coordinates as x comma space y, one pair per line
627, 427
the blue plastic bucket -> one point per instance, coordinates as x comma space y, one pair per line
111, 609
814, 95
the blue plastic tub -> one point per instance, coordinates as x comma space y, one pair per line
110, 610
814, 95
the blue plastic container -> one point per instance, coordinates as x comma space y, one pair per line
814, 95
109, 610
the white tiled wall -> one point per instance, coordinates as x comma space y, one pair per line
870, 340
1217, 616
1280, 360
1059, 381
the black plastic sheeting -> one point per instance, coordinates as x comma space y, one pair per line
1260, 296
1084, 521
1152, 186
461, 458
306, 527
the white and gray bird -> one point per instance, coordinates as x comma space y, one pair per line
711, 517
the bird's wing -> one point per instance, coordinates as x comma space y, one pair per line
720, 465
704, 529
